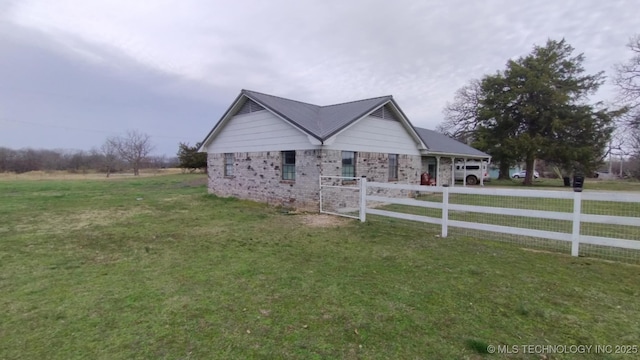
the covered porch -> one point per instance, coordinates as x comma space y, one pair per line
447, 169
445, 159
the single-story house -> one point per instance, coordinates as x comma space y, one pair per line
272, 149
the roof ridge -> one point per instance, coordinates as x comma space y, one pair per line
280, 97
355, 101
320, 106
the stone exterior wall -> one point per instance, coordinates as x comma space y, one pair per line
258, 176
375, 166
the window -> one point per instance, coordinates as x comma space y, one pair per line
393, 166
228, 164
288, 165
348, 164
469, 167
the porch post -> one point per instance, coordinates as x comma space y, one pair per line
438, 183
453, 171
482, 172
464, 177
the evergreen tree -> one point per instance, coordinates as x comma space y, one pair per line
537, 108
190, 159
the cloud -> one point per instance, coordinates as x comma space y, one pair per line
61, 103
319, 51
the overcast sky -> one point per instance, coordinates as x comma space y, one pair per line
73, 72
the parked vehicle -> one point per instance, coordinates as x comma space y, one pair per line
523, 174
473, 172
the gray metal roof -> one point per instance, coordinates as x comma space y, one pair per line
322, 122
440, 143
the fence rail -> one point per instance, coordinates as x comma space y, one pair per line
606, 219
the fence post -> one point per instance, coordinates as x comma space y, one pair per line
575, 233
363, 198
320, 191
445, 209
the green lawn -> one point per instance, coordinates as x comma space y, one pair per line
156, 268
590, 184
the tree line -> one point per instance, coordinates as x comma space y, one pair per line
119, 153
539, 108
74, 161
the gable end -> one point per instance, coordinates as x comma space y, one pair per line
385, 113
249, 107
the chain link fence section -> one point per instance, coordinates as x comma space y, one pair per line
595, 224
552, 224
618, 216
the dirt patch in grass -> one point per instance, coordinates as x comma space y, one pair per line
195, 182
54, 223
319, 220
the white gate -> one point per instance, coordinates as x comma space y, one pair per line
341, 196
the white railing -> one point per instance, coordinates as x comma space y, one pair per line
572, 202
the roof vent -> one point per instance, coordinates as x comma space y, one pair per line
249, 106
384, 113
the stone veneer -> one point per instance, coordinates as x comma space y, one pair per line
375, 166
444, 171
258, 176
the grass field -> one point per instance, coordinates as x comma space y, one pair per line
154, 268
82, 175
589, 184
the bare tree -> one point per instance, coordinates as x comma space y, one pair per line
460, 116
133, 148
6, 159
109, 153
627, 79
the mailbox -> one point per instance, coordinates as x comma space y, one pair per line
578, 182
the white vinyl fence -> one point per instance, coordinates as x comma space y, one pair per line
601, 224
